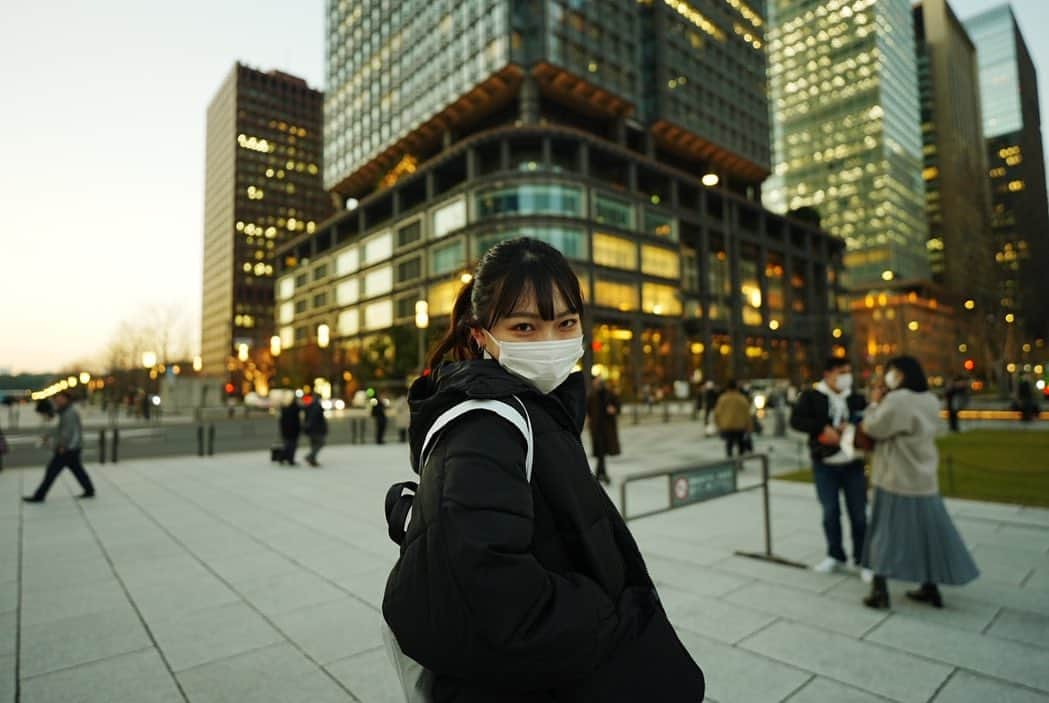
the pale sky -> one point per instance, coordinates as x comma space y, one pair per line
102, 119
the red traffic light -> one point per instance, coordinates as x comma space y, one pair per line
229, 388
969, 364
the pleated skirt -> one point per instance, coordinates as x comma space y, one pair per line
912, 538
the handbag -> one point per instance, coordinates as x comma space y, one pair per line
863, 442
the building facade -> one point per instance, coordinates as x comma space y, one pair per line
957, 195
846, 139
1016, 167
262, 188
592, 126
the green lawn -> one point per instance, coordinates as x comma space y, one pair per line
993, 465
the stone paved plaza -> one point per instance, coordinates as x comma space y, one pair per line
230, 579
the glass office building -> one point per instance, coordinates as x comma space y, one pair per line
262, 188
594, 126
846, 139
1016, 167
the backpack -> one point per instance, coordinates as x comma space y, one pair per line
416, 680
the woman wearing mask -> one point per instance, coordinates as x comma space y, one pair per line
512, 587
911, 537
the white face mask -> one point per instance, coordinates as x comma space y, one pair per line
844, 382
545, 365
892, 379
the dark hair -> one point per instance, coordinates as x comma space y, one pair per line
835, 362
65, 394
913, 375
508, 272
731, 385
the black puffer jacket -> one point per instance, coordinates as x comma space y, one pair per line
513, 592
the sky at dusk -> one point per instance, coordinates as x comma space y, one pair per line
102, 136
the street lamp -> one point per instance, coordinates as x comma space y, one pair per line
323, 341
422, 321
242, 352
149, 359
198, 363
275, 350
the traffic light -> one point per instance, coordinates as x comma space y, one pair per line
229, 389
969, 365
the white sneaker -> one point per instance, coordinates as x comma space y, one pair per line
866, 575
829, 565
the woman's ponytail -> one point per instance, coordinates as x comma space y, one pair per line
457, 341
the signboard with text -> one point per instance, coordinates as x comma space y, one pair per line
697, 485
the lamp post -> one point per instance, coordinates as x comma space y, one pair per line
422, 321
275, 350
323, 341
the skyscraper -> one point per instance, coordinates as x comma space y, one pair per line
262, 187
957, 197
846, 139
1013, 130
631, 135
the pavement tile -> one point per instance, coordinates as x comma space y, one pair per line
683, 550
346, 561
880, 670
778, 574
276, 674
7, 678
140, 677
321, 630
1039, 580
91, 573
801, 606
163, 602
369, 676
369, 586
249, 568
1002, 594
967, 687
71, 600
1030, 628
734, 675
214, 633
60, 644
1011, 661
692, 577
8, 596
1002, 564
283, 593
711, 617
8, 633
821, 690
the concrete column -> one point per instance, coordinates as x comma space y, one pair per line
529, 100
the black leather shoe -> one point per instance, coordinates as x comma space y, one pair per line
32, 499
928, 593
879, 596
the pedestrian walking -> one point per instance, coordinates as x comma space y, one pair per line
316, 428
1025, 399
66, 440
3, 448
710, 400
911, 536
518, 580
732, 417
290, 429
602, 410
956, 397
379, 415
828, 414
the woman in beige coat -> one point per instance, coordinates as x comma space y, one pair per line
911, 537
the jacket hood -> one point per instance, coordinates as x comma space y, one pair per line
484, 379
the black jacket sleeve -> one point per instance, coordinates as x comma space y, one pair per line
805, 417
546, 626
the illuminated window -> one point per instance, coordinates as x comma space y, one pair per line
347, 261
656, 261
613, 211
611, 294
530, 199
447, 257
450, 217
378, 248
347, 292
348, 322
659, 224
320, 272
614, 252
378, 315
287, 313
287, 337
570, 241
286, 288
378, 281
442, 297
409, 233
660, 300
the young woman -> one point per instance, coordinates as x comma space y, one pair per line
911, 537
513, 588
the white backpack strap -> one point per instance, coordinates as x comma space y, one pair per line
503, 410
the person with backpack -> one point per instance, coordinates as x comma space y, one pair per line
518, 580
828, 414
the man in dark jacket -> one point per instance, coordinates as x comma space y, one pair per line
379, 413
602, 412
290, 429
829, 413
524, 591
316, 428
66, 440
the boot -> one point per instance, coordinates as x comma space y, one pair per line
928, 593
879, 597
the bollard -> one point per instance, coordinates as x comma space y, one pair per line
200, 440
101, 446
211, 440
116, 444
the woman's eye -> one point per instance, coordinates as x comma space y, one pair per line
522, 327
569, 324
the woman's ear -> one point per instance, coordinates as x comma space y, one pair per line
477, 335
